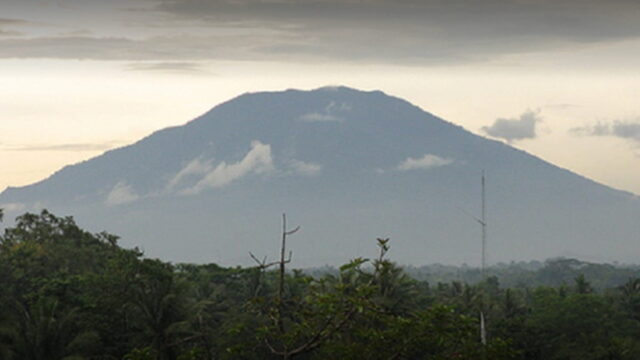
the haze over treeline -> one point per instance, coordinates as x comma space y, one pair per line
68, 293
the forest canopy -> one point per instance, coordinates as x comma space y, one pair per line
66, 293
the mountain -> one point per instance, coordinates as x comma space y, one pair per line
346, 165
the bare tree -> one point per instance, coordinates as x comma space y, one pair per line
304, 333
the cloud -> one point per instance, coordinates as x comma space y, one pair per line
333, 106
513, 129
428, 161
78, 32
318, 117
13, 207
68, 147
121, 194
257, 161
624, 129
9, 33
175, 48
5, 22
404, 31
197, 167
304, 168
328, 114
70, 47
418, 30
170, 67
10, 23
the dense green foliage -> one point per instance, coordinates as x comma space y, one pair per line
69, 294
553, 272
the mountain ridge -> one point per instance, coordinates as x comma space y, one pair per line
204, 118
346, 152
291, 90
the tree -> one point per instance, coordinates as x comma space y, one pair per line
44, 330
157, 301
630, 298
582, 286
297, 326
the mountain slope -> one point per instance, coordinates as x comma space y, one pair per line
348, 166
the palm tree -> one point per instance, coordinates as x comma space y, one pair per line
45, 331
630, 297
157, 300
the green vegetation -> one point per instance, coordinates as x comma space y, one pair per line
69, 294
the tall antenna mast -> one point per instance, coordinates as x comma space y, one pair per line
483, 263
483, 222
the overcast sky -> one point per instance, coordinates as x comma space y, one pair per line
559, 79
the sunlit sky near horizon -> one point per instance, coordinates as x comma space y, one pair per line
558, 79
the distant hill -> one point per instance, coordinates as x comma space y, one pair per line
346, 165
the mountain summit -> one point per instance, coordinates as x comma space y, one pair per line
346, 165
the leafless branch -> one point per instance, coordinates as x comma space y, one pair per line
262, 264
291, 232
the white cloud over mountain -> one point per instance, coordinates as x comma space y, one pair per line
428, 161
257, 161
319, 117
197, 167
122, 193
304, 168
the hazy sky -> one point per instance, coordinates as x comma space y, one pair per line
559, 79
